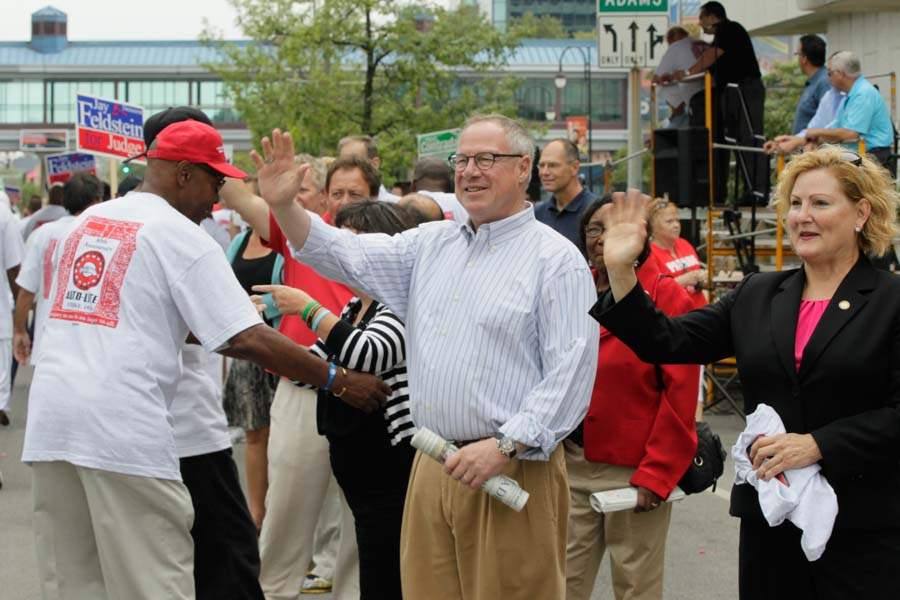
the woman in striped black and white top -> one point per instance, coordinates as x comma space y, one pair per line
370, 452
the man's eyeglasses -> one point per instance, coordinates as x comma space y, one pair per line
483, 160
220, 181
851, 157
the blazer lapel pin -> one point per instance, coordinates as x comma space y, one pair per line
844, 305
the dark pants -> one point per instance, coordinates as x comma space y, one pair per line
731, 122
374, 476
226, 552
883, 156
856, 565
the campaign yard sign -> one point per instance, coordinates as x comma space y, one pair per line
60, 167
108, 127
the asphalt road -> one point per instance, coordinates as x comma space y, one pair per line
701, 557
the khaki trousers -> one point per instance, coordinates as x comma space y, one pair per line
636, 541
299, 476
460, 544
106, 536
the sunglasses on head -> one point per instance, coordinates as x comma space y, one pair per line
851, 157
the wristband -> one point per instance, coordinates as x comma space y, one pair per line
306, 310
320, 315
332, 373
312, 315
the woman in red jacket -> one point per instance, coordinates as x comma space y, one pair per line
639, 431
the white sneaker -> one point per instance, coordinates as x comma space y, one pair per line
314, 584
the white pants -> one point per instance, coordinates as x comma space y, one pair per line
5, 373
299, 477
328, 533
106, 536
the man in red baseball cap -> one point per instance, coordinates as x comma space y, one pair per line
198, 151
112, 518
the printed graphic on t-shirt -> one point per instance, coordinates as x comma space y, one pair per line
47, 267
683, 263
92, 270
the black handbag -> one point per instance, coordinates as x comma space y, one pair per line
709, 461
708, 464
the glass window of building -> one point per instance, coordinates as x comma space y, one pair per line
575, 15
22, 101
61, 103
212, 98
155, 96
608, 99
534, 97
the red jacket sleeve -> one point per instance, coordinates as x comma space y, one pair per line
673, 439
276, 241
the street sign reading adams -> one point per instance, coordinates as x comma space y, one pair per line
631, 33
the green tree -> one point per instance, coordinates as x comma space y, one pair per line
545, 26
379, 67
784, 84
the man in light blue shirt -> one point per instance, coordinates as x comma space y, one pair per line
811, 58
825, 113
862, 114
502, 360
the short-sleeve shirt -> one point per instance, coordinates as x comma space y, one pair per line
11, 251
814, 90
131, 280
201, 426
36, 274
865, 112
330, 294
48, 214
738, 61
679, 56
567, 220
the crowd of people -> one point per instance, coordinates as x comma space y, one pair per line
558, 343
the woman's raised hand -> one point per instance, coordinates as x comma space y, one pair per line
279, 176
625, 224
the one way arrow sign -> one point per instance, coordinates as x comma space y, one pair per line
631, 40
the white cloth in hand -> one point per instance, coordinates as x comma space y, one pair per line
808, 501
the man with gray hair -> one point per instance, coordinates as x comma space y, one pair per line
863, 114
502, 360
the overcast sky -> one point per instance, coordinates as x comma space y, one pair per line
112, 20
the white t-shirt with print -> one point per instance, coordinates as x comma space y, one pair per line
36, 273
201, 426
133, 278
11, 250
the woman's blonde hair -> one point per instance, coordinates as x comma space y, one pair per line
656, 207
869, 180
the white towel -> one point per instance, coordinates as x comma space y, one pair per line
809, 502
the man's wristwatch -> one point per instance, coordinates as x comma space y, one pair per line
506, 445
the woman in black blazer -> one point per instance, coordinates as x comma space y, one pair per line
837, 393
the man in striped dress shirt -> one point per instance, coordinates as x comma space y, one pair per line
502, 358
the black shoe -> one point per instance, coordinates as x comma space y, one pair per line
4, 418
